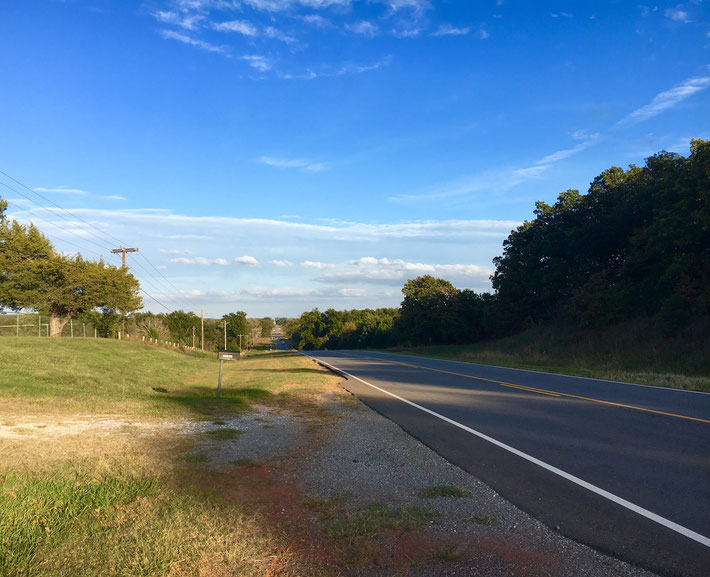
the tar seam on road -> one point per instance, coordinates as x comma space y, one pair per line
533, 390
582, 483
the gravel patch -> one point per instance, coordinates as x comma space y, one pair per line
367, 458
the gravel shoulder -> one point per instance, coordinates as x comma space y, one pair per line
353, 460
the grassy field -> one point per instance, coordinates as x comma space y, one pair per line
93, 479
634, 352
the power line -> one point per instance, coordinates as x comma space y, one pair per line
59, 207
105, 247
100, 238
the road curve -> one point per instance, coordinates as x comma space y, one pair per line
623, 468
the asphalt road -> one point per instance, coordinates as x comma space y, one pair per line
623, 468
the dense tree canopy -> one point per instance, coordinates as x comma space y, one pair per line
637, 244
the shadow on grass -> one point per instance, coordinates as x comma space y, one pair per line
204, 401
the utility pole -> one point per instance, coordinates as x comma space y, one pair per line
225, 334
123, 252
240, 343
193, 337
202, 338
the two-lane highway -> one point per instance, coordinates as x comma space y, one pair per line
624, 468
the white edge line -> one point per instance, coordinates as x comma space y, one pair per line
655, 387
576, 480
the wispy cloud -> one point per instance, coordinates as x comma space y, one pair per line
383, 270
185, 39
497, 181
63, 190
666, 100
239, 26
260, 63
78, 192
448, 30
281, 263
188, 22
561, 15
246, 260
678, 14
173, 251
316, 264
297, 163
364, 28
200, 260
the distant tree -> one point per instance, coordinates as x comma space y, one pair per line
427, 313
180, 324
267, 326
237, 324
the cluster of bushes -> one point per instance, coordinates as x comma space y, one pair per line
637, 245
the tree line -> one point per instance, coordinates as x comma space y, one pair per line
34, 276
185, 328
636, 245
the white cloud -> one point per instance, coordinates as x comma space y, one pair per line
316, 264
667, 99
281, 263
200, 260
185, 39
188, 22
173, 251
62, 190
260, 63
239, 26
276, 34
78, 192
246, 260
482, 32
679, 14
448, 30
383, 270
363, 28
298, 163
561, 15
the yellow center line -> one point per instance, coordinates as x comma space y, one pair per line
534, 389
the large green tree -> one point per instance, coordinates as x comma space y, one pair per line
34, 276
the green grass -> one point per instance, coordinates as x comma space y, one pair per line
35, 511
442, 491
246, 462
109, 501
636, 352
130, 378
195, 458
487, 520
445, 554
372, 518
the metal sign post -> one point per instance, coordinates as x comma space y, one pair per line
224, 355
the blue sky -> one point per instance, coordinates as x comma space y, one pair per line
277, 155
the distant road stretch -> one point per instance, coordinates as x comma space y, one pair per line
623, 468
